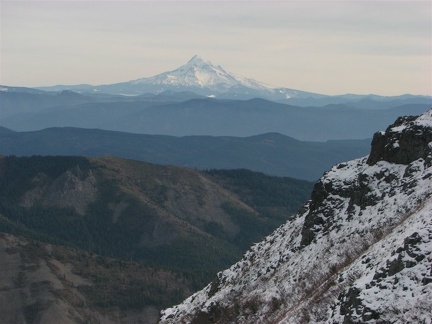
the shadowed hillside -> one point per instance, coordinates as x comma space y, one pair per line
182, 222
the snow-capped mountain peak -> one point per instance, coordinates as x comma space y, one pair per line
360, 251
199, 76
201, 73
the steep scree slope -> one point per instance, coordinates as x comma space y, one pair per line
358, 251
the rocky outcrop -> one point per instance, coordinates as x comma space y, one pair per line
75, 188
359, 251
403, 142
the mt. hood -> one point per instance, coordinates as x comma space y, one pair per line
204, 74
199, 76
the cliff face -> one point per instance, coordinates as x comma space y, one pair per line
358, 251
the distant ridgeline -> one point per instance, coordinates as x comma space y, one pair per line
299, 137
201, 98
271, 153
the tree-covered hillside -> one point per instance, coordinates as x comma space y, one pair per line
184, 221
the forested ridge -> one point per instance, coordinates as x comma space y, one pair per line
187, 223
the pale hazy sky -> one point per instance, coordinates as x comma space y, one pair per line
330, 47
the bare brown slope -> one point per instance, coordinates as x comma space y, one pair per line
44, 283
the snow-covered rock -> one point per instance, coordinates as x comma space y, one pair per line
359, 251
